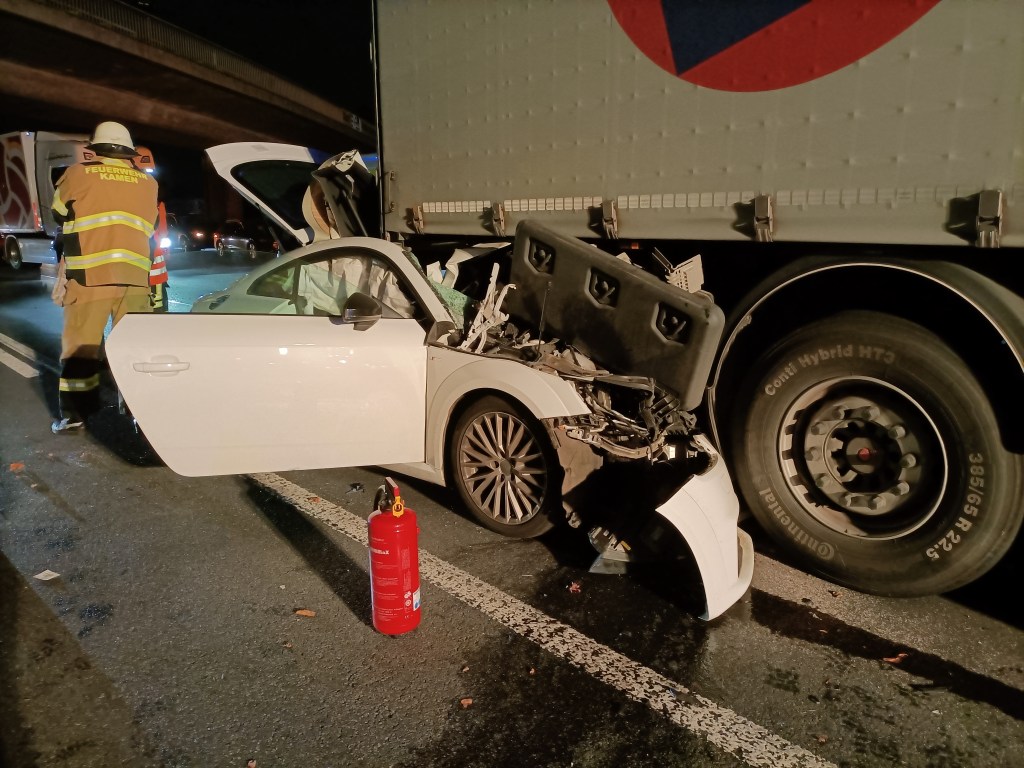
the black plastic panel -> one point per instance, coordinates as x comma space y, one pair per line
622, 317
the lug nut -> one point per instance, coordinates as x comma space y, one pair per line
812, 454
901, 489
908, 460
876, 502
897, 431
821, 480
848, 499
838, 412
819, 428
868, 413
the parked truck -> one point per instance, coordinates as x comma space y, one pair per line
846, 180
31, 162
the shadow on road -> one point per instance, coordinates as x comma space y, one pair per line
346, 578
56, 707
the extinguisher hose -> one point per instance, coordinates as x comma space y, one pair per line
380, 498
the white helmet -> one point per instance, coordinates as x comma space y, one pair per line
112, 140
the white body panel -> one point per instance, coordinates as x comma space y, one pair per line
251, 393
705, 511
453, 374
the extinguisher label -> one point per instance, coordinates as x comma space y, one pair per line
416, 600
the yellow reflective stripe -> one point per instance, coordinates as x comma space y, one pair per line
80, 385
108, 219
99, 259
58, 204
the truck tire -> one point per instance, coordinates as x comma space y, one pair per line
505, 469
871, 453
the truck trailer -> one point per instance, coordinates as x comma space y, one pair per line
846, 180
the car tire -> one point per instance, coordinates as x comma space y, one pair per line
871, 452
505, 469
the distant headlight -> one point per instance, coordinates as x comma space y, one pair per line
165, 242
199, 235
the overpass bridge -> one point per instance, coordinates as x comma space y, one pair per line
68, 64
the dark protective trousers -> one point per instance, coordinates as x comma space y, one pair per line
86, 312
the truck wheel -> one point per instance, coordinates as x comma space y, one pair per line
505, 469
12, 253
870, 451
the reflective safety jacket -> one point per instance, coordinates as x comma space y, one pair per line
108, 208
158, 269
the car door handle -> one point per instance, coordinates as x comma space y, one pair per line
158, 367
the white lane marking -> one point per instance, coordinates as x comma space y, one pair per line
730, 732
16, 346
18, 366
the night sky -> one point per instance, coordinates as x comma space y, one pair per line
321, 45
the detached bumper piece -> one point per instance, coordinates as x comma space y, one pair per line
705, 512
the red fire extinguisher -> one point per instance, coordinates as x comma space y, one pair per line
394, 563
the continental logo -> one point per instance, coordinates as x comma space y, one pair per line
821, 549
116, 173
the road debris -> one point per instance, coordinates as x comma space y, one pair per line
355, 488
466, 702
17, 466
896, 659
305, 612
575, 588
47, 575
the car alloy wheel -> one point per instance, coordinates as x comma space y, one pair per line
505, 469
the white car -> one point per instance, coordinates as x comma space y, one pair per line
492, 378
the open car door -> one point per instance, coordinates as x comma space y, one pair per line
230, 394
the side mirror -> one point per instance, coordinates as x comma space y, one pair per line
361, 310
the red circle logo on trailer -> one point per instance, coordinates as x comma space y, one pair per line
762, 46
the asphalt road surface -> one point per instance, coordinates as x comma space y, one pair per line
171, 634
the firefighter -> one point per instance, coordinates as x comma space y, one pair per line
108, 208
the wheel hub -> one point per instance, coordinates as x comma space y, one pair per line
855, 452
